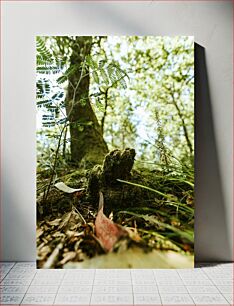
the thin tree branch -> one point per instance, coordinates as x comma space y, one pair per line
105, 110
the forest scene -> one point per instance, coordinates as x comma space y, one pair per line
115, 151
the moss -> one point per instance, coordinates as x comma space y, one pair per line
118, 165
95, 181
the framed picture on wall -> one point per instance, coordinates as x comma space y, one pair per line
115, 151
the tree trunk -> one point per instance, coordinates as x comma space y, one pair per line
87, 143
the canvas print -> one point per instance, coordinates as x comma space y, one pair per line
115, 151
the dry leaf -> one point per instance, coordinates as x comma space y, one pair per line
55, 222
189, 200
39, 232
67, 257
70, 221
133, 234
44, 251
65, 219
63, 187
58, 234
40, 246
107, 231
54, 256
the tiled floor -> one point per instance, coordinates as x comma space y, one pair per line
208, 284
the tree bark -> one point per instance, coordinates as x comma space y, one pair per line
87, 141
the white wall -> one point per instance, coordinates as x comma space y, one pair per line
211, 24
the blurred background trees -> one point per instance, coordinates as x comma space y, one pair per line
96, 94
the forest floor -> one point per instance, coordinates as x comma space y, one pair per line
143, 220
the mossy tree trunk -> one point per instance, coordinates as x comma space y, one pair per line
87, 141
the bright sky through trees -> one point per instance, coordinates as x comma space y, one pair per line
159, 69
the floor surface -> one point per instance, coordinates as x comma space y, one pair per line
208, 284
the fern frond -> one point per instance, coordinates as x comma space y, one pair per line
61, 79
46, 103
42, 50
48, 69
111, 72
91, 62
104, 76
95, 77
48, 124
68, 73
123, 83
43, 88
58, 96
42, 61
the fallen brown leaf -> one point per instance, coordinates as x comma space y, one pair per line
67, 257
107, 231
39, 232
44, 251
55, 222
70, 221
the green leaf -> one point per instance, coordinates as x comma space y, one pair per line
111, 72
145, 187
104, 76
62, 121
58, 96
42, 50
101, 63
95, 77
123, 83
184, 234
48, 124
48, 69
42, 61
44, 102
62, 79
43, 88
91, 62
70, 71
100, 106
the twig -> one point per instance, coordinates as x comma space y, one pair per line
80, 215
105, 110
55, 163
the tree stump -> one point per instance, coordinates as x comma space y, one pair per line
117, 165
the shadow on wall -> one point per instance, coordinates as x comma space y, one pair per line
211, 229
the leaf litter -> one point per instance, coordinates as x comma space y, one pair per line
85, 238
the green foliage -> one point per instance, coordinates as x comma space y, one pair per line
100, 105
106, 73
46, 96
142, 88
70, 71
161, 91
43, 88
43, 54
187, 235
